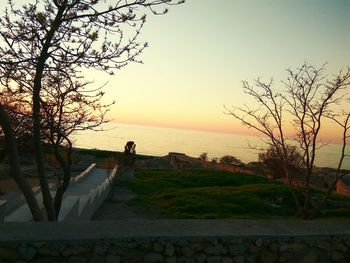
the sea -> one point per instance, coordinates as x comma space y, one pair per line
159, 141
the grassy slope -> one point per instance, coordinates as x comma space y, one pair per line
215, 194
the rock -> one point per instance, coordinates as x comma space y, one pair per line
337, 256
146, 245
169, 249
76, 259
227, 260
74, 250
27, 253
324, 245
251, 259
292, 247
274, 247
186, 260
287, 257
171, 260
133, 255
214, 259
97, 259
113, 259
200, 258
314, 256
182, 243
267, 256
196, 247
187, 251
153, 258
237, 250
216, 250
9, 254
339, 246
158, 247
252, 249
50, 259
48, 251
239, 259
100, 249
259, 242
38, 244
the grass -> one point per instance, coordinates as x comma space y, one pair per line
210, 194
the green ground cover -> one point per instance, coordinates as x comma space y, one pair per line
216, 194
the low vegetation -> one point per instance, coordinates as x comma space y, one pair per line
210, 194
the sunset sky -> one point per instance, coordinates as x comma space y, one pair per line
200, 52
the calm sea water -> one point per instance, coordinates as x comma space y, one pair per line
160, 141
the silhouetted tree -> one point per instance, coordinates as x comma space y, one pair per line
272, 161
308, 99
46, 38
203, 157
229, 159
19, 115
68, 106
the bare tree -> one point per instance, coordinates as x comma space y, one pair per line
308, 99
19, 116
44, 38
203, 157
68, 106
15, 170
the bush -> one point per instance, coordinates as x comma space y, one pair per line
272, 161
229, 159
203, 157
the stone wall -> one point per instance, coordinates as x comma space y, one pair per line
177, 241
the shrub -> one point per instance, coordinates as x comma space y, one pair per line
203, 157
272, 161
229, 159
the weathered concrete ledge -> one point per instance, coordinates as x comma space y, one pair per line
49, 231
212, 241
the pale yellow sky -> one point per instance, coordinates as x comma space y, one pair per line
201, 51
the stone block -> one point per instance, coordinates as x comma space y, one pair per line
113, 259
96, 259
169, 249
158, 247
201, 258
10, 254
171, 260
214, 259
153, 258
75, 250
76, 259
237, 249
28, 253
266, 256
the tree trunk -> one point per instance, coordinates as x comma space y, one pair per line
15, 170
45, 190
66, 176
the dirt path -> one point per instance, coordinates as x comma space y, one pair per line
118, 207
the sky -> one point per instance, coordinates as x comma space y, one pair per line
200, 52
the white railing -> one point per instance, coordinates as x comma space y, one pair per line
74, 207
82, 207
82, 175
